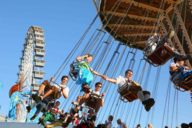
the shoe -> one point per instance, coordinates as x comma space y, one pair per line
36, 98
41, 121
146, 93
74, 78
75, 103
171, 34
33, 117
148, 104
28, 109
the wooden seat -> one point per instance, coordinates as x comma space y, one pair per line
186, 84
161, 55
94, 101
130, 92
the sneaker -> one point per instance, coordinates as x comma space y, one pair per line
33, 117
148, 104
41, 121
36, 98
28, 109
74, 78
75, 103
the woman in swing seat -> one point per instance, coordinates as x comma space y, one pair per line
81, 71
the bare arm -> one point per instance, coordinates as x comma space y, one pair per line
109, 79
96, 73
173, 67
102, 101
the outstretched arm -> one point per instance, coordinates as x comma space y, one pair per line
109, 79
96, 73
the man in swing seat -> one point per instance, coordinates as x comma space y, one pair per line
180, 73
50, 96
46, 89
127, 81
81, 72
93, 98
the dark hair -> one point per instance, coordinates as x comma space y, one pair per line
190, 124
64, 77
138, 125
98, 83
128, 70
119, 121
58, 102
184, 125
179, 59
111, 118
89, 55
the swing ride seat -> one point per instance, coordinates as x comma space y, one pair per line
186, 84
94, 101
129, 92
161, 55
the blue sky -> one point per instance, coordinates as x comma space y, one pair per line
64, 22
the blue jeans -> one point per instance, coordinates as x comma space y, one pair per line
185, 74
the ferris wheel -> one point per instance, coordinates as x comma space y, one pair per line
31, 69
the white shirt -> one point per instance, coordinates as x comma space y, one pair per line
65, 87
121, 125
96, 92
108, 124
120, 81
174, 64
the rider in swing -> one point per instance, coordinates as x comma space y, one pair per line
144, 96
81, 71
157, 40
178, 70
43, 102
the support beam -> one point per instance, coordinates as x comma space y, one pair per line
138, 34
132, 16
184, 30
190, 5
172, 1
141, 5
173, 4
177, 42
140, 42
132, 26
